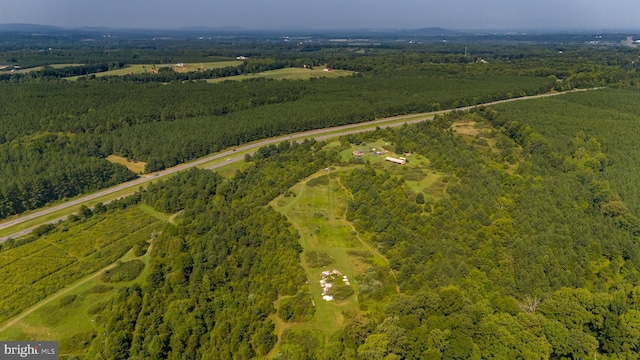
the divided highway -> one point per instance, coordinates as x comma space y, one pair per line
230, 156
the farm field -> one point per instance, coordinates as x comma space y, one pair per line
70, 315
40, 268
289, 74
186, 67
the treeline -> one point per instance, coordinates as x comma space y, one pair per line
570, 66
47, 167
216, 274
163, 74
49, 72
168, 124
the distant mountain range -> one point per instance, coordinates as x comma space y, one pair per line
426, 32
430, 31
28, 28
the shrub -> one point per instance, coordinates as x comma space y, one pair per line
341, 292
78, 342
97, 308
67, 300
98, 289
123, 272
43, 230
297, 308
321, 180
318, 260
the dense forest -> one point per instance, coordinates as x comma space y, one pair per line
171, 121
168, 124
511, 232
521, 258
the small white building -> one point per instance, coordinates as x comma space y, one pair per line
400, 161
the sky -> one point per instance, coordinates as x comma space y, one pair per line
328, 14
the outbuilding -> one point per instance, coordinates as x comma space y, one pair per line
400, 161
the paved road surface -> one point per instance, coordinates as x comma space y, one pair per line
317, 134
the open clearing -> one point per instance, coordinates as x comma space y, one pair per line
289, 74
417, 173
186, 67
317, 211
71, 322
31, 272
136, 167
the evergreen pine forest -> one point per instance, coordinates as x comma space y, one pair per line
510, 232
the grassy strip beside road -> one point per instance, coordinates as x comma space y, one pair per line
60, 213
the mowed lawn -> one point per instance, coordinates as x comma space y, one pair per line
289, 74
318, 214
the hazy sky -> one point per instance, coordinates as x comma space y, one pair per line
328, 14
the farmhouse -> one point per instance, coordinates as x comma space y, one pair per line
358, 153
400, 161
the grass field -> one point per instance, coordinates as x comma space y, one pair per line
318, 214
136, 167
317, 208
143, 68
72, 325
31, 272
65, 315
289, 74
